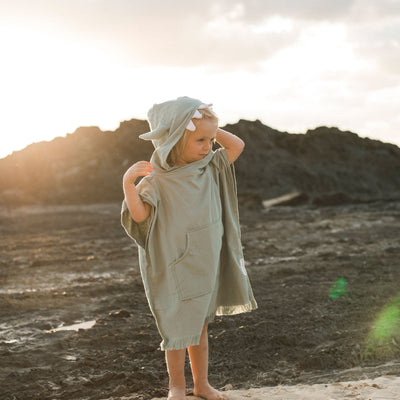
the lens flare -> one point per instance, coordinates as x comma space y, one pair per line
338, 289
387, 323
385, 333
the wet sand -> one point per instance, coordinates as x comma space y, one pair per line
326, 280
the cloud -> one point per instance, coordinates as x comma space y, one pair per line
219, 34
378, 43
312, 10
216, 34
374, 10
189, 34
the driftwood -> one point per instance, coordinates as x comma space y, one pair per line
292, 198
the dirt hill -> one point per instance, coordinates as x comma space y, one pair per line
325, 165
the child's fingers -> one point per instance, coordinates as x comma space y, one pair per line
143, 170
143, 164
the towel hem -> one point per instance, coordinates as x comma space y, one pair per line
180, 343
237, 309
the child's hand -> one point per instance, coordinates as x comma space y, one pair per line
141, 168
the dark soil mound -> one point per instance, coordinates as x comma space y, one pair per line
326, 165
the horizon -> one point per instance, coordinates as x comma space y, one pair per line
221, 125
292, 65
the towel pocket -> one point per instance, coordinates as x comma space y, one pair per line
196, 271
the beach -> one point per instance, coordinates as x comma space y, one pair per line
383, 388
75, 322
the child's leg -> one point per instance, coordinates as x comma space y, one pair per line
175, 360
199, 364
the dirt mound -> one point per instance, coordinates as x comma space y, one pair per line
327, 165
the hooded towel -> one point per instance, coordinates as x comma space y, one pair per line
190, 253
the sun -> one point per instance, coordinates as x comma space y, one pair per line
51, 83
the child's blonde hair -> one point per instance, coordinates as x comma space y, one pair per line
177, 150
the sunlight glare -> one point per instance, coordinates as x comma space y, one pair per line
51, 84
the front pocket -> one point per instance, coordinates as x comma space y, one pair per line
196, 271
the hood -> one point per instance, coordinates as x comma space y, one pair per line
168, 122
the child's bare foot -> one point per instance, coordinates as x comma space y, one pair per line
206, 391
177, 393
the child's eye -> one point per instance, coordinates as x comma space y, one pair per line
202, 140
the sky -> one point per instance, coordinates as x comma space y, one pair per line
293, 64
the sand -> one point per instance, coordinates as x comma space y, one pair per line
383, 388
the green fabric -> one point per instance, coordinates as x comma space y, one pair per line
168, 122
190, 253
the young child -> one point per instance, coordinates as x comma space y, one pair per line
184, 218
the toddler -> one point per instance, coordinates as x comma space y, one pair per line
184, 218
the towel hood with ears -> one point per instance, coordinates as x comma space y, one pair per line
168, 122
197, 270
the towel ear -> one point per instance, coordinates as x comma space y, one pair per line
155, 134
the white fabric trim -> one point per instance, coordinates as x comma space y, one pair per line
197, 114
191, 126
203, 106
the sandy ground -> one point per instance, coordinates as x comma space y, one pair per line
326, 281
383, 388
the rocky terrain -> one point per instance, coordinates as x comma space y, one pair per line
324, 166
326, 280
74, 320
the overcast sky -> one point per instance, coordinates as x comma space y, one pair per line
293, 64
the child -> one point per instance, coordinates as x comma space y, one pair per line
183, 215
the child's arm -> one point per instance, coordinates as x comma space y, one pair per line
231, 143
138, 209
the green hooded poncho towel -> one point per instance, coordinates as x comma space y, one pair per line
190, 253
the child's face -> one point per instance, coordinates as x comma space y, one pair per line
199, 142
